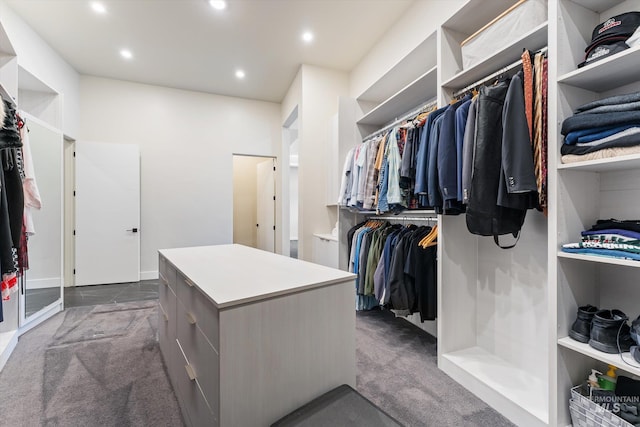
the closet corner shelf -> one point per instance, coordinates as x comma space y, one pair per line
600, 259
513, 383
612, 359
418, 92
533, 40
632, 161
608, 73
598, 6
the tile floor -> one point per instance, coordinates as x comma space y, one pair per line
112, 293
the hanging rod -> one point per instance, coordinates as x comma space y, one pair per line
405, 218
503, 70
414, 113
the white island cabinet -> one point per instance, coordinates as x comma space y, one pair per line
249, 336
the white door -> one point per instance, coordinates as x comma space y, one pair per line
107, 213
266, 205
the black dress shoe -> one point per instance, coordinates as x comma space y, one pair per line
610, 332
581, 328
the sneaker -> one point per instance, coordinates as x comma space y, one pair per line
581, 328
609, 329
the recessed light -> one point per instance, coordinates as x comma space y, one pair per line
218, 4
126, 54
240, 74
98, 7
307, 36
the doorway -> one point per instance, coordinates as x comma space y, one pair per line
254, 201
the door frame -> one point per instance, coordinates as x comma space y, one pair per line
278, 205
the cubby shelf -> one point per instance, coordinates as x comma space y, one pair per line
608, 73
600, 259
533, 40
514, 384
632, 161
409, 97
611, 359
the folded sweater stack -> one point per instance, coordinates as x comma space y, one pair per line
603, 128
610, 238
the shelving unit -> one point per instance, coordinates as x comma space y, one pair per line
588, 191
491, 301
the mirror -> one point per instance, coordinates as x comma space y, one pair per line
44, 277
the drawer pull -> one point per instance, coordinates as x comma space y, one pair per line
189, 282
163, 280
190, 372
164, 313
191, 319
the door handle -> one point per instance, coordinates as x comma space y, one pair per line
133, 230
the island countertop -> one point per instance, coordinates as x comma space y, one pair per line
235, 274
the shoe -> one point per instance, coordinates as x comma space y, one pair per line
635, 352
581, 328
609, 329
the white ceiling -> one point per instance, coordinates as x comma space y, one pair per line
187, 44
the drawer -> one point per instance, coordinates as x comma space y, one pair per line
200, 308
167, 343
202, 357
192, 402
167, 273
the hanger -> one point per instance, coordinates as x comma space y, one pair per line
429, 238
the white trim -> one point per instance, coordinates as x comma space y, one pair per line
8, 342
50, 282
42, 315
149, 275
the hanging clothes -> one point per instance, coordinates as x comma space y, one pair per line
393, 269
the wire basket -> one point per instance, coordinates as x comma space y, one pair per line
587, 413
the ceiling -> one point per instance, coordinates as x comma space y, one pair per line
187, 44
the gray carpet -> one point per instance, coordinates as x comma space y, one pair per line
90, 366
398, 371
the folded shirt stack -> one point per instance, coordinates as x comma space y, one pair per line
610, 238
603, 128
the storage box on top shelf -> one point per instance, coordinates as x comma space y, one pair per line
512, 24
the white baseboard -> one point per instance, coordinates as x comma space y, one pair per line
51, 282
148, 275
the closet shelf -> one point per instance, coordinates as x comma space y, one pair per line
600, 259
407, 212
412, 95
632, 161
533, 40
598, 6
6, 95
612, 359
608, 73
403, 73
511, 382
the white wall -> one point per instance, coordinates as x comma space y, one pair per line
245, 200
418, 22
37, 57
186, 143
320, 91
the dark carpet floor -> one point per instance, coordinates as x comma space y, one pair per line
398, 371
90, 366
